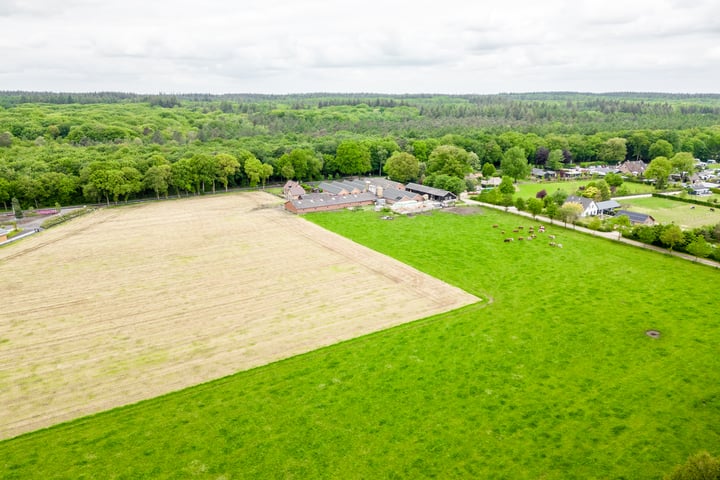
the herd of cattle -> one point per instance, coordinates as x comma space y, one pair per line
532, 234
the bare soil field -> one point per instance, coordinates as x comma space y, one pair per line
130, 303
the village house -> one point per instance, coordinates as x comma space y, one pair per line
590, 208
699, 189
541, 174
635, 168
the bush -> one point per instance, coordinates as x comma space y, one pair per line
701, 466
51, 222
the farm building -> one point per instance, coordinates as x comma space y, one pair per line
394, 195
321, 202
292, 189
432, 193
607, 207
590, 208
374, 183
335, 188
637, 218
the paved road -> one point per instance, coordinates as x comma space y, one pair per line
608, 235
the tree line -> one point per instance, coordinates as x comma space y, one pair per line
118, 146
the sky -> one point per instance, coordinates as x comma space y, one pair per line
378, 46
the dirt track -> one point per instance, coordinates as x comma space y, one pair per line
130, 303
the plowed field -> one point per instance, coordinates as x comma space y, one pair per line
131, 303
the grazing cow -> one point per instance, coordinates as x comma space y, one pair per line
508, 240
692, 208
520, 227
712, 209
552, 244
495, 226
559, 245
521, 238
516, 230
503, 232
551, 236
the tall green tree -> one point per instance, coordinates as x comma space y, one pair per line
661, 148
659, 170
402, 167
613, 150
157, 179
353, 158
449, 160
227, 165
515, 164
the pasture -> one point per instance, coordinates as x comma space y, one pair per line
669, 211
530, 189
131, 303
554, 377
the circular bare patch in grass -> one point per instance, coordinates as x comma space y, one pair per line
652, 333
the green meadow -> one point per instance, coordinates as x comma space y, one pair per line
530, 189
551, 376
671, 211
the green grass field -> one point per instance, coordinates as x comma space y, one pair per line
553, 378
526, 190
669, 211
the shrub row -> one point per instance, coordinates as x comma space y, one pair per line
685, 199
51, 222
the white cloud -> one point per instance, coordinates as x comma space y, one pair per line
390, 46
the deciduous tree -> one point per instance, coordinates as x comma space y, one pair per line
402, 167
515, 164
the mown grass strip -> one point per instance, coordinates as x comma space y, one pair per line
555, 378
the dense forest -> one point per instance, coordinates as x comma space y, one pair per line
68, 148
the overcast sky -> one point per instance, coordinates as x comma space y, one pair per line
383, 46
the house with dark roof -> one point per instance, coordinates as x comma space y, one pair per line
432, 193
699, 189
607, 207
590, 208
543, 174
636, 218
322, 202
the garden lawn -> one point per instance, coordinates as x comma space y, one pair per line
665, 210
528, 190
555, 378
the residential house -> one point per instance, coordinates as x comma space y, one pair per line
635, 168
491, 182
699, 189
636, 218
543, 174
590, 208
